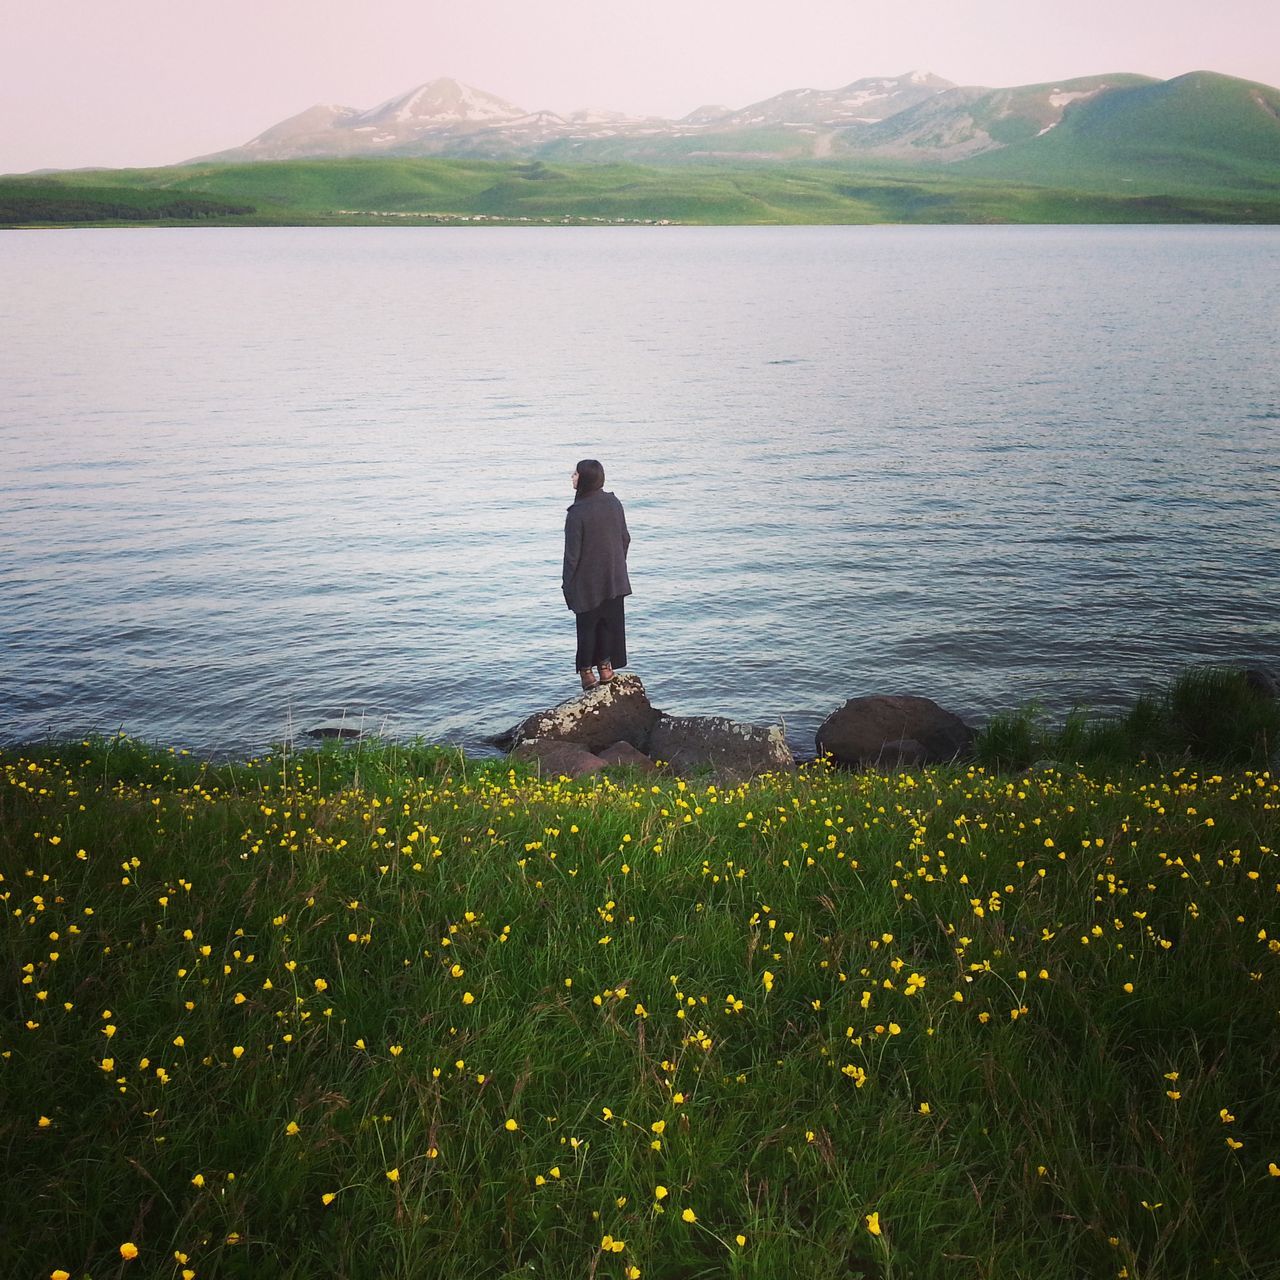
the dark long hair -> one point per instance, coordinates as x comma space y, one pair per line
590, 478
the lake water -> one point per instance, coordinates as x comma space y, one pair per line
256, 480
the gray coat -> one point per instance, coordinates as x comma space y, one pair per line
595, 552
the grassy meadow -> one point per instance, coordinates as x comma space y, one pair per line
428, 192
382, 1011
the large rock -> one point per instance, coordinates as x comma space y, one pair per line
730, 749
335, 731
619, 711
893, 730
905, 753
624, 754
558, 759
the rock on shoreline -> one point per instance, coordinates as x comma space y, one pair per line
731, 749
887, 730
615, 723
619, 711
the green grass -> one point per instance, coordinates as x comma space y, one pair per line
377, 191
49, 202
1208, 715
1028, 1021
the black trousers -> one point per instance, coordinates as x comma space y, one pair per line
602, 636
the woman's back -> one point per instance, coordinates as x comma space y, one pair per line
595, 555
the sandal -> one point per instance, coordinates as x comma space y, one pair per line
588, 676
606, 671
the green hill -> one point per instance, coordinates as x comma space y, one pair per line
961, 122
433, 191
1201, 132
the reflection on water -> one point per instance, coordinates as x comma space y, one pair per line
256, 478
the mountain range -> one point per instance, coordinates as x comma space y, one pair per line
1200, 147
1057, 128
445, 117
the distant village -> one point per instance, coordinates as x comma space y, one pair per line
553, 220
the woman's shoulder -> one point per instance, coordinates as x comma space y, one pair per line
597, 498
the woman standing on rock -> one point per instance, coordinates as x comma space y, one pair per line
595, 573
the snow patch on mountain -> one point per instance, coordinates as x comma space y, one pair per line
442, 101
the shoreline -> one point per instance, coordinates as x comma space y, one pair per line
1233, 704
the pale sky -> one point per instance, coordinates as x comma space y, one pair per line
152, 82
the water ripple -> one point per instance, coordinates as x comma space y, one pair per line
257, 480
